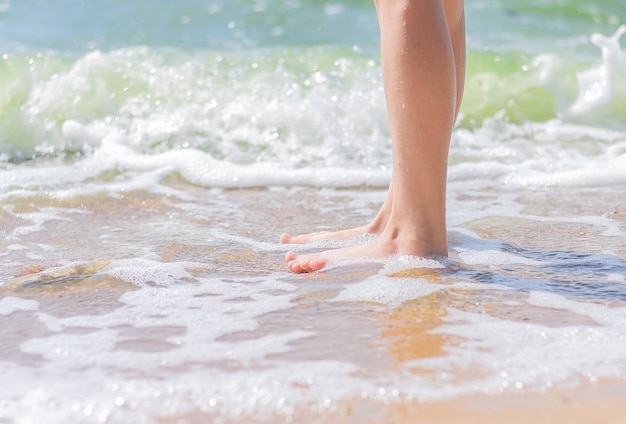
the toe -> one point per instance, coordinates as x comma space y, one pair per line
317, 264
296, 266
290, 256
285, 238
303, 264
299, 239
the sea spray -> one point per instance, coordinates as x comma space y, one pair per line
600, 87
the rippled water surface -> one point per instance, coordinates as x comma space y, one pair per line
151, 155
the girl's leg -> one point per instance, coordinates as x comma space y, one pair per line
456, 27
423, 95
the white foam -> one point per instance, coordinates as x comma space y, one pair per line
597, 85
202, 312
504, 356
77, 132
201, 168
611, 173
616, 278
216, 357
303, 120
535, 154
387, 291
538, 154
9, 305
469, 285
399, 263
16, 247
391, 264
492, 257
143, 271
610, 317
322, 127
262, 393
258, 246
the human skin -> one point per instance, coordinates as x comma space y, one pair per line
423, 58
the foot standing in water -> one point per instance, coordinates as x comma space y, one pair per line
423, 59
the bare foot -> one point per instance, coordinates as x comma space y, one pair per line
306, 263
389, 243
285, 238
423, 84
375, 227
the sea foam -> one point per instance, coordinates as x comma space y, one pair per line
9, 305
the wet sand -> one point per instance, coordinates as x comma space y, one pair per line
601, 403
373, 336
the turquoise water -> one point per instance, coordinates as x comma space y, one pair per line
193, 60
152, 153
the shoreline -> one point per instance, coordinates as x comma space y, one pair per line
591, 403
147, 278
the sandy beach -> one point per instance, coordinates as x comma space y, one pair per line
151, 156
370, 316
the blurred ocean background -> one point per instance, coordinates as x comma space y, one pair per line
152, 152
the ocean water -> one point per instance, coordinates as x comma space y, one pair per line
152, 153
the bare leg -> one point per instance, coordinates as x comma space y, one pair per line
456, 27
455, 18
420, 68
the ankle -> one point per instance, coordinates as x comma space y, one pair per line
416, 240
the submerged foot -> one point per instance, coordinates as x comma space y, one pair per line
326, 235
375, 227
382, 247
305, 263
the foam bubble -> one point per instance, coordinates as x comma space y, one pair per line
122, 355
73, 130
387, 291
16, 247
399, 263
38, 219
186, 345
538, 154
492, 257
201, 168
262, 393
329, 128
470, 286
330, 111
143, 271
506, 356
597, 85
193, 308
611, 317
616, 278
9, 305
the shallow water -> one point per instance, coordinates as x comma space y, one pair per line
110, 323
151, 157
